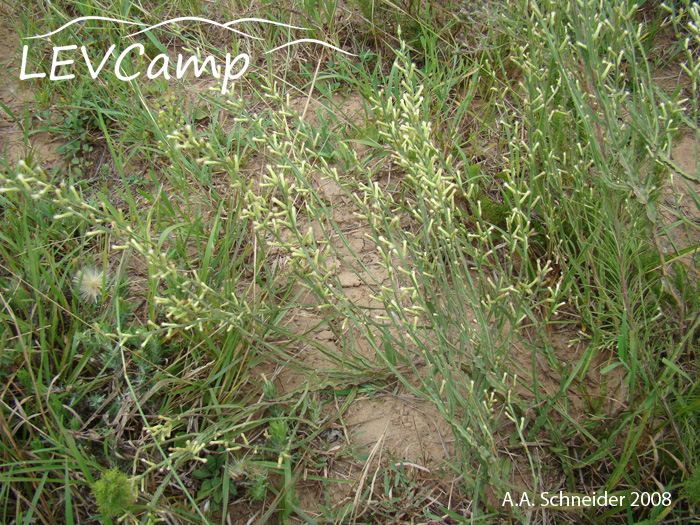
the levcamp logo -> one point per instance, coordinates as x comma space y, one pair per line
233, 68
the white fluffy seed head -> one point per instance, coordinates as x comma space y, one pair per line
88, 281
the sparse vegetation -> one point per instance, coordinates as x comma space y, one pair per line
479, 229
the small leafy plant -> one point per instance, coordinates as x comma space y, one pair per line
691, 489
212, 478
114, 493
